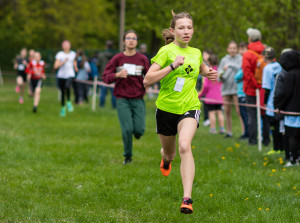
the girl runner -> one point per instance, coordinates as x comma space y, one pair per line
127, 70
177, 66
20, 65
65, 63
37, 73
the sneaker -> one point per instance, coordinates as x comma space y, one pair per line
222, 130
70, 106
62, 112
17, 89
290, 164
243, 137
213, 131
186, 206
34, 110
206, 122
271, 152
21, 100
165, 168
127, 160
228, 136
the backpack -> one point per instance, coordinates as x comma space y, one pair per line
94, 70
260, 64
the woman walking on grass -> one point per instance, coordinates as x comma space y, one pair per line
127, 69
177, 66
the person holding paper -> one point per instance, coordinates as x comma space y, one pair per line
177, 66
127, 70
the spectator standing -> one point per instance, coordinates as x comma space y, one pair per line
278, 95
249, 65
270, 71
241, 95
212, 90
104, 58
290, 62
199, 85
84, 69
227, 69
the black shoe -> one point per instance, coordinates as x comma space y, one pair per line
127, 160
243, 137
34, 110
228, 136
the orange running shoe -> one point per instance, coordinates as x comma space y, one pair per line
165, 168
186, 206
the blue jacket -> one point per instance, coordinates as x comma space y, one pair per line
239, 81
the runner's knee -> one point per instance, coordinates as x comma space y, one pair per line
184, 146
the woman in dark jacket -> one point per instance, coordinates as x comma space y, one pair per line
290, 101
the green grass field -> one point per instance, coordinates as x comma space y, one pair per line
55, 169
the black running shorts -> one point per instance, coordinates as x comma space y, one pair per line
166, 122
35, 83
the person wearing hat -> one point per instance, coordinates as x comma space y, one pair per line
249, 64
270, 71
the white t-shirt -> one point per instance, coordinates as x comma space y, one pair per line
66, 70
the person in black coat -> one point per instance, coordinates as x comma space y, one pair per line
289, 100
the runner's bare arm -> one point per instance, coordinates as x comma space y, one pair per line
210, 73
155, 73
59, 63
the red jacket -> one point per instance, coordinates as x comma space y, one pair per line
249, 66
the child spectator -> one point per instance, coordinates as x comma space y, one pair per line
84, 69
240, 92
227, 69
270, 72
37, 73
212, 90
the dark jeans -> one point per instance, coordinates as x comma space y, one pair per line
244, 115
82, 92
103, 92
265, 129
252, 119
278, 142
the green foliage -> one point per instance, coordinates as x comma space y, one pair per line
44, 24
55, 169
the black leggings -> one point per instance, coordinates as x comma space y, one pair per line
293, 135
64, 86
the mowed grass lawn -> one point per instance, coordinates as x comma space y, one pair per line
55, 169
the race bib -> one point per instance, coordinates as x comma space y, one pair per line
131, 68
179, 84
21, 67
